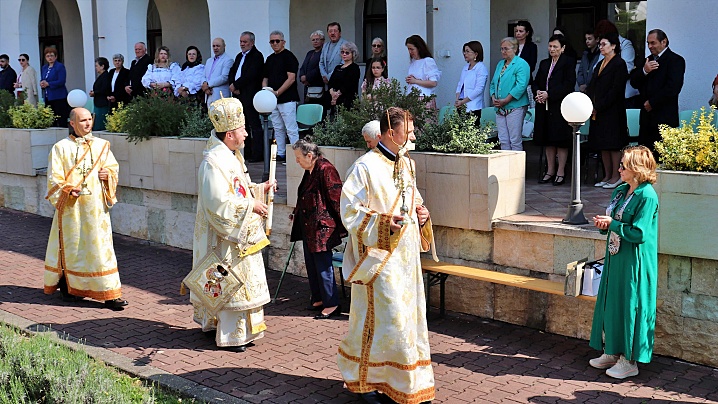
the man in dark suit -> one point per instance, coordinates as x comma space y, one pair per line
120, 77
245, 79
659, 82
8, 76
138, 68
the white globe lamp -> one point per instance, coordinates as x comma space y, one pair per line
265, 101
77, 98
576, 108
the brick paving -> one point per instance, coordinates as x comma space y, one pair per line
475, 360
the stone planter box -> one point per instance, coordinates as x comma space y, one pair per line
22, 151
162, 164
687, 215
466, 191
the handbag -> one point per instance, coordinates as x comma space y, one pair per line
527, 131
591, 278
315, 92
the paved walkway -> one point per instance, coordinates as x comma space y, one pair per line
475, 360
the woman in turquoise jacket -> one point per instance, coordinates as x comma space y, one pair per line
624, 319
508, 95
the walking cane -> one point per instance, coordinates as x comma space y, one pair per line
286, 265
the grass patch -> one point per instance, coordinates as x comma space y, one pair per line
38, 370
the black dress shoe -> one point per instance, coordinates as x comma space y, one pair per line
240, 348
116, 304
281, 158
312, 307
547, 178
321, 316
560, 181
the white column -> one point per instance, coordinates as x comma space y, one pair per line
404, 18
229, 18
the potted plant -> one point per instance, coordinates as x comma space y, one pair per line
28, 140
457, 159
687, 187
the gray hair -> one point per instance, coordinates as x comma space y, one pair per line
277, 32
306, 146
371, 129
118, 56
513, 41
351, 47
248, 33
317, 32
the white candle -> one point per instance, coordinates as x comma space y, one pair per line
270, 193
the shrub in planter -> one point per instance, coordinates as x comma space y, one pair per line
27, 116
196, 123
345, 129
7, 101
158, 114
457, 134
116, 120
688, 149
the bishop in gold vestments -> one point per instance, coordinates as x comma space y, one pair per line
81, 183
387, 347
229, 236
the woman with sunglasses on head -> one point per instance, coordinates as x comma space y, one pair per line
608, 132
344, 83
26, 83
624, 319
508, 95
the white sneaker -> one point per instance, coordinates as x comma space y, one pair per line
604, 361
600, 184
623, 369
614, 185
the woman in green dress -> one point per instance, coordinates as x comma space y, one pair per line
624, 319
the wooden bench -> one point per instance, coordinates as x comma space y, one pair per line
439, 271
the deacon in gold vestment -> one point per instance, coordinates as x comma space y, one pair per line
227, 282
81, 183
387, 349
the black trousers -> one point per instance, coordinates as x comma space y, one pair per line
61, 109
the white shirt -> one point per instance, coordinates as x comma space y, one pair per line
114, 78
241, 62
424, 69
472, 85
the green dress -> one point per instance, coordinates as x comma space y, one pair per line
626, 302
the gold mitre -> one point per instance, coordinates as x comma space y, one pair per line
226, 114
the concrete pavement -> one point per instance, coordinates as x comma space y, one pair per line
475, 360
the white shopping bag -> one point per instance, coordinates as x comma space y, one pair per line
591, 279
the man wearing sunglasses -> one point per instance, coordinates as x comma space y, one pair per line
8, 77
280, 73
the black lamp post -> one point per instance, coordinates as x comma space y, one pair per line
576, 108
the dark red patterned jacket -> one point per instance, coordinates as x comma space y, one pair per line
316, 217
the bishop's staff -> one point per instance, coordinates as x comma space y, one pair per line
270, 193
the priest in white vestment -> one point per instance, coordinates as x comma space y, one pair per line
81, 182
386, 351
227, 283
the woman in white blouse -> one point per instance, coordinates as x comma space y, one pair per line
27, 80
472, 85
187, 82
159, 74
423, 73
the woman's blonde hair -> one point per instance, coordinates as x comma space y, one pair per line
639, 159
157, 56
